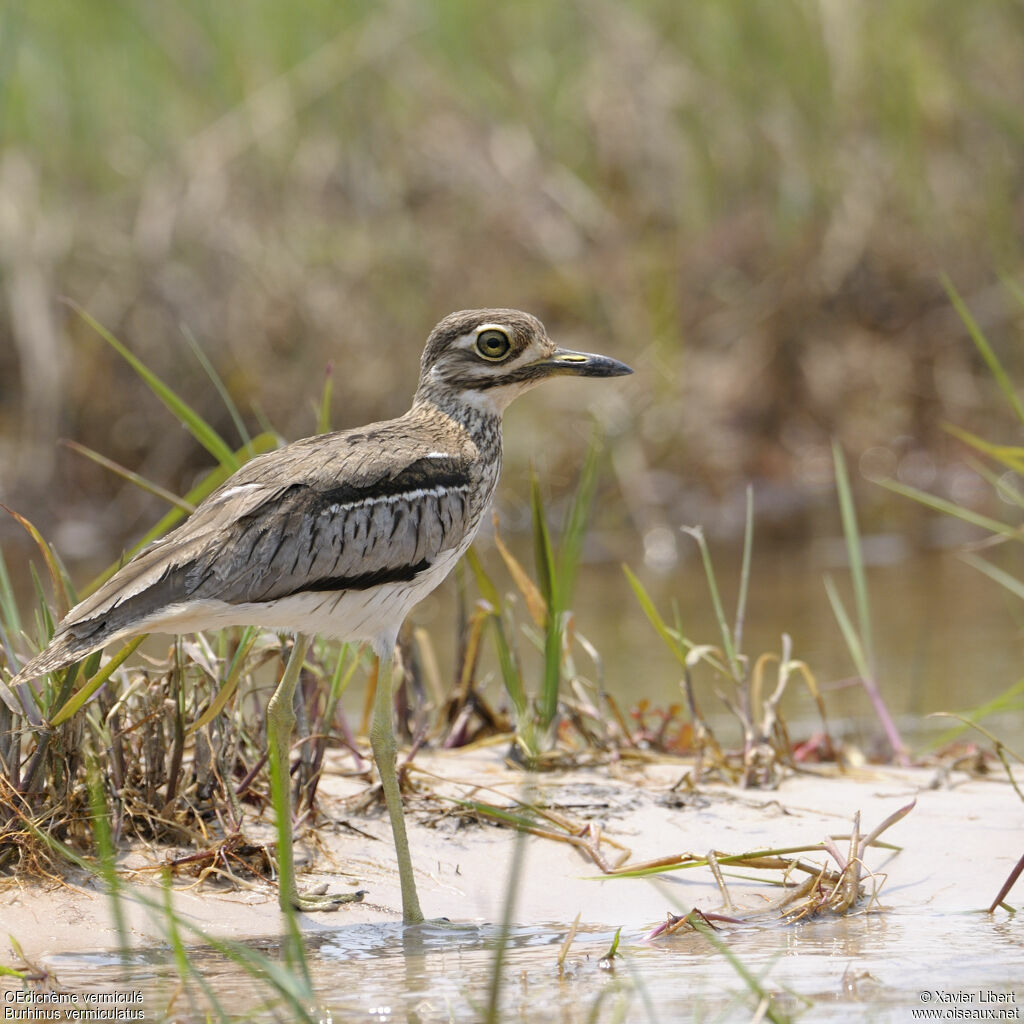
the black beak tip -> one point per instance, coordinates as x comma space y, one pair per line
605, 366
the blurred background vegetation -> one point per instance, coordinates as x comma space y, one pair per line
752, 203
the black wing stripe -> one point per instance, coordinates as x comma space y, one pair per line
362, 581
422, 475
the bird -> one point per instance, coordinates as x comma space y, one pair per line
339, 534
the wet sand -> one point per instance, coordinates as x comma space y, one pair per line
958, 844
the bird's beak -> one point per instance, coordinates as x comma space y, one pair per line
582, 364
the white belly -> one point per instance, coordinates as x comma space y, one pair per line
354, 615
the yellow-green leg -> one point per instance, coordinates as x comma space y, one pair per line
280, 723
382, 739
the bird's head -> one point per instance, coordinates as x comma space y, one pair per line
484, 358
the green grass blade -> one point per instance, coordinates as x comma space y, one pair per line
510, 674
570, 548
993, 572
853, 641
196, 425
669, 637
107, 857
851, 533
1001, 483
766, 1004
343, 673
864, 670
512, 886
999, 374
1009, 700
182, 962
548, 702
294, 953
716, 601
217, 381
1013, 288
543, 554
520, 821
702, 862
227, 689
748, 550
133, 478
292, 989
613, 949
9, 614
44, 614
1011, 456
484, 583
66, 710
949, 508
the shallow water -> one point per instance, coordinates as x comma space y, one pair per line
946, 637
876, 967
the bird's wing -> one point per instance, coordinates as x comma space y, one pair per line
326, 533
324, 514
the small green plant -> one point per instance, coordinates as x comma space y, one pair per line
548, 602
859, 636
765, 740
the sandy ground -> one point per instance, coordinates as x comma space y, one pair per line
958, 844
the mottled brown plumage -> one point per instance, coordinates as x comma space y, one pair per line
291, 535
341, 533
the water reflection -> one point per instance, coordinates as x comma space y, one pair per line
946, 637
840, 968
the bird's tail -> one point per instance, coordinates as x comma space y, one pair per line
63, 650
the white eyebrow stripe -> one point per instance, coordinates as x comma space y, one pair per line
437, 455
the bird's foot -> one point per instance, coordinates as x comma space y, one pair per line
320, 901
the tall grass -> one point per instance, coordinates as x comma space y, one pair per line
1000, 466
52, 726
548, 602
331, 180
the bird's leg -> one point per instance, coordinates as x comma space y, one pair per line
382, 740
280, 723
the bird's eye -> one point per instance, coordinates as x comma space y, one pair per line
493, 344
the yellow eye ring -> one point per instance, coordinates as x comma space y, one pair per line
493, 344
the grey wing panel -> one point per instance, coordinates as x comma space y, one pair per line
257, 539
304, 543
164, 572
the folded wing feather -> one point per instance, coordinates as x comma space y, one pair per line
340, 521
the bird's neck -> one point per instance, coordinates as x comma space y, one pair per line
481, 420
